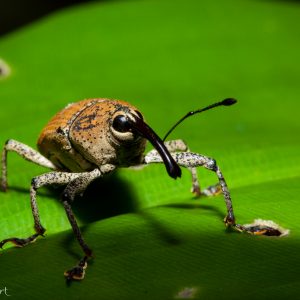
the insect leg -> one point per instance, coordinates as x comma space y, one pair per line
192, 160
180, 145
26, 152
74, 187
37, 182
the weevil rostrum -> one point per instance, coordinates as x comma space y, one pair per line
93, 137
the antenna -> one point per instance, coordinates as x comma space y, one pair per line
225, 102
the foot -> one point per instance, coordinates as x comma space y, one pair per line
78, 272
20, 242
3, 185
230, 220
260, 229
196, 190
212, 190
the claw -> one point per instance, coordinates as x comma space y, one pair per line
78, 272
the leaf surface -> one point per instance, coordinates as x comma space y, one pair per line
151, 238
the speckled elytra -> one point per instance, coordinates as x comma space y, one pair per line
93, 137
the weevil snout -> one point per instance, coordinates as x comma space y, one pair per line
128, 125
139, 126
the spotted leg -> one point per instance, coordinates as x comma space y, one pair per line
180, 145
73, 188
37, 182
193, 160
26, 152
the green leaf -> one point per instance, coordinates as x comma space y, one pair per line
151, 239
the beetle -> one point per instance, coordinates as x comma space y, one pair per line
91, 138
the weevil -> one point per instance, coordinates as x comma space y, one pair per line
93, 137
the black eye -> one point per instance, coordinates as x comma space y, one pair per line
121, 124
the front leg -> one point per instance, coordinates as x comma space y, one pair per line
77, 183
50, 178
73, 188
193, 160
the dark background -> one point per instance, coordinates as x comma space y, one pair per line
16, 13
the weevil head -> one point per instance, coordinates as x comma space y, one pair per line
114, 132
99, 134
129, 145
126, 125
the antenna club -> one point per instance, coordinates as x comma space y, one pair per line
229, 101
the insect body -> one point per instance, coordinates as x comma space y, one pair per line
91, 138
